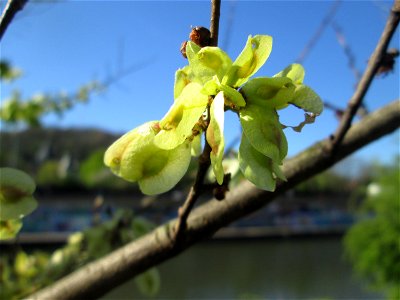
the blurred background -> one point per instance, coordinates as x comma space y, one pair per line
76, 75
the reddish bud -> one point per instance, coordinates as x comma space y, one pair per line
183, 49
200, 36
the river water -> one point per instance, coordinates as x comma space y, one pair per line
279, 268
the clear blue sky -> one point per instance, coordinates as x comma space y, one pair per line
61, 45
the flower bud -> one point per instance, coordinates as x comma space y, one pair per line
200, 36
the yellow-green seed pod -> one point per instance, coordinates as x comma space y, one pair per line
16, 189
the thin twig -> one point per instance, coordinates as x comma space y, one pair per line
347, 51
325, 22
214, 24
11, 9
204, 159
365, 82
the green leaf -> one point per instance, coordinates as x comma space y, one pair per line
253, 56
8, 73
149, 282
182, 79
264, 132
177, 124
191, 50
230, 165
24, 264
9, 228
207, 62
132, 142
269, 92
16, 189
233, 98
304, 97
16, 209
164, 169
294, 71
257, 168
308, 100
211, 87
15, 183
215, 136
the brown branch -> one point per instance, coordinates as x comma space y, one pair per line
11, 9
214, 24
204, 159
195, 191
365, 82
101, 276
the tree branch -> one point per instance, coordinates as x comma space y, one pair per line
214, 24
101, 276
195, 191
369, 74
11, 9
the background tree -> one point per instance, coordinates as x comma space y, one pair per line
372, 244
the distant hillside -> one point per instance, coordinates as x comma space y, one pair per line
65, 159
29, 148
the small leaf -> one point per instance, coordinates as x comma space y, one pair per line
269, 92
216, 59
264, 132
294, 71
9, 228
191, 50
308, 100
17, 209
304, 97
252, 57
28, 266
8, 73
231, 166
15, 183
149, 282
164, 169
211, 87
215, 136
182, 79
233, 98
207, 62
256, 167
177, 124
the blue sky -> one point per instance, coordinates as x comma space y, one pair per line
61, 45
